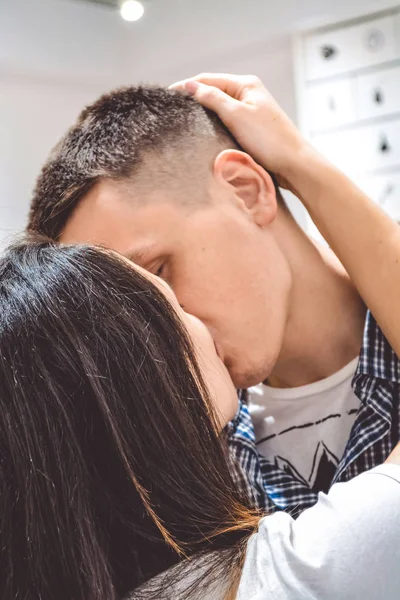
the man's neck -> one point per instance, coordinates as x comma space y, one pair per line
325, 317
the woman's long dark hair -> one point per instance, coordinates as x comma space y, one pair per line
112, 468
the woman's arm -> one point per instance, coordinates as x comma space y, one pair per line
364, 238
345, 546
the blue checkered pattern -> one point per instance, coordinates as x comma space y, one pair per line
374, 434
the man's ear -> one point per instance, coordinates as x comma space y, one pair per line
252, 185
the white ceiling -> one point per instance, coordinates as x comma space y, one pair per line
58, 55
184, 31
174, 36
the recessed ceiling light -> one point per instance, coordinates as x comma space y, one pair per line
132, 10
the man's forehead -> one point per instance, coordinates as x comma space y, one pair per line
106, 217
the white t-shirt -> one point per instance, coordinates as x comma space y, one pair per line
346, 547
305, 429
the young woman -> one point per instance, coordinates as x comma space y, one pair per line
112, 466
114, 477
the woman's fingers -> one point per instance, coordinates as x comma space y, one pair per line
233, 85
250, 112
211, 97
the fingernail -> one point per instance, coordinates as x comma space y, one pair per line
191, 87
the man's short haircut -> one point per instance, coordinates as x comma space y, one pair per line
159, 137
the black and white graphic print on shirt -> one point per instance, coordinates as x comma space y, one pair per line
305, 429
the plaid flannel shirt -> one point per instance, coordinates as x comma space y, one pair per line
374, 434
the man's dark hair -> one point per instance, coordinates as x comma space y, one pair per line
112, 467
160, 137
130, 132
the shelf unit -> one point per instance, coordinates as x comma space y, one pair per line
348, 100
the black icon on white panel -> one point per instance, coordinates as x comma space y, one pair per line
378, 96
375, 40
328, 52
387, 192
384, 145
331, 103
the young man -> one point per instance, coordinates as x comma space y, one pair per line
151, 174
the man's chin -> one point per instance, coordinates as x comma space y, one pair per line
243, 380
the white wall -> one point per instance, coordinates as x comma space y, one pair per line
34, 117
54, 58
58, 55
